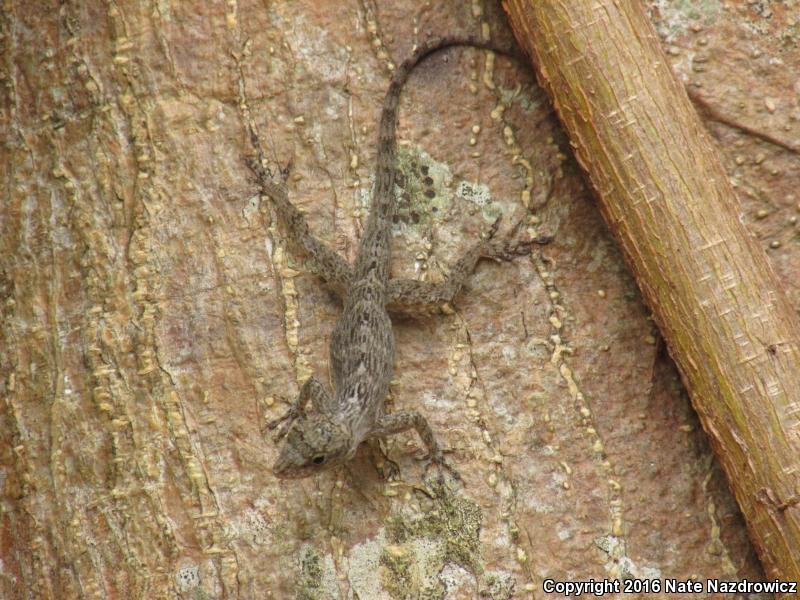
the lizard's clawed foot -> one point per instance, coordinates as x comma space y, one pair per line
385, 466
282, 423
441, 465
493, 229
265, 173
511, 246
388, 469
255, 166
508, 249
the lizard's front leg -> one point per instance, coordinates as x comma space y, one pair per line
334, 269
423, 297
312, 390
405, 420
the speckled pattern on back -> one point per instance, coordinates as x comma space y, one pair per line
362, 346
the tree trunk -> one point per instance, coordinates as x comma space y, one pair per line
154, 318
665, 195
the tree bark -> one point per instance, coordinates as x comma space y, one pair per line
664, 193
153, 319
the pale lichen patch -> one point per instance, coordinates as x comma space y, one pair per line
187, 578
447, 531
317, 579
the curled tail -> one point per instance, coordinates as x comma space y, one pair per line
372, 261
382, 203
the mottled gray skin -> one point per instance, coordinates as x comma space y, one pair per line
362, 348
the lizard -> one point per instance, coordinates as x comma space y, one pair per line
362, 344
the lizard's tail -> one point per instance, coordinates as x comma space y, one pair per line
383, 198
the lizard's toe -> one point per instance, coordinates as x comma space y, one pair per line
282, 423
388, 469
442, 465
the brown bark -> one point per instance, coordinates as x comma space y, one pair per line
153, 318
663, 192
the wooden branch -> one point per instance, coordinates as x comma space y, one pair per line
664, 193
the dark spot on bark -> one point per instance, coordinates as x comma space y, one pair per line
424, 169
415, 217
430, 193
428, 181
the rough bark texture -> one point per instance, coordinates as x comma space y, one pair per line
152, 317
664, 193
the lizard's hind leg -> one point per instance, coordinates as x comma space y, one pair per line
422, 297
411, 419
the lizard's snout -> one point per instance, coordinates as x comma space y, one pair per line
286, 467
280, 467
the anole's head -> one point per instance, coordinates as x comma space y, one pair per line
313, 444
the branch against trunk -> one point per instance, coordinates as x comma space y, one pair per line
664, 193
153, 319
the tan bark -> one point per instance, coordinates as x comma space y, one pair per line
153, 319
664, 193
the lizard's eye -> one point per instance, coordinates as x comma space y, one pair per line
318, 459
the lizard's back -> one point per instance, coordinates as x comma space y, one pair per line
362, 355
362, 346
